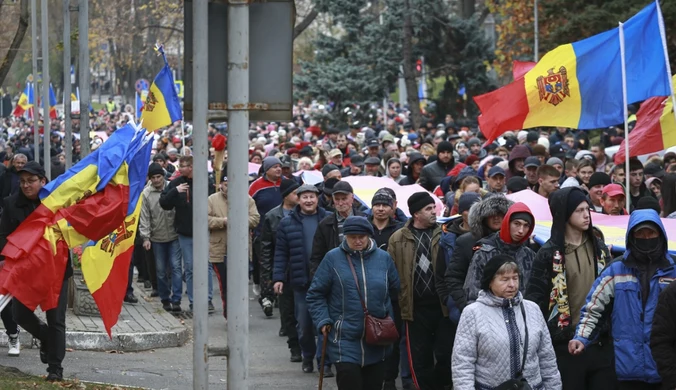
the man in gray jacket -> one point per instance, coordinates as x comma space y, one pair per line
156, 228
432, 173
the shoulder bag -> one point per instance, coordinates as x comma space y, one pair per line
378, 331
519, 382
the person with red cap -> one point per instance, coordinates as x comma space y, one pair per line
511, 239
612, 200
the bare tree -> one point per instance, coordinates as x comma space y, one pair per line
13, 50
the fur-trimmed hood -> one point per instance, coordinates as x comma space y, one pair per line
489, 206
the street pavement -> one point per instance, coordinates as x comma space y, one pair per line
171, 368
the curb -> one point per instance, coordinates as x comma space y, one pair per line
125, 342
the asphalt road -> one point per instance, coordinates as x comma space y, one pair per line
171, 368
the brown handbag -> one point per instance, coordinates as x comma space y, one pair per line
378, 331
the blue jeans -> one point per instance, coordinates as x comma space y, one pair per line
186, 250
169, 270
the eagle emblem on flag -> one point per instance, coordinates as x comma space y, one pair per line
554, 86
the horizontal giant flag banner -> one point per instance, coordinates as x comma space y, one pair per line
579, 85
366, 186
614, 227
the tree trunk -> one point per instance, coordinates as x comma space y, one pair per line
305, 23
409, 68
468, 8
7, 62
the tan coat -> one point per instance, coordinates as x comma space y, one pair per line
401, 248
217, 207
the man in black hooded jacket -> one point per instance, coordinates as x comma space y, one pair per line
434, 172
563, 273
485, 218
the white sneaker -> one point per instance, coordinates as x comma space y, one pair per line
257, 289
14, 345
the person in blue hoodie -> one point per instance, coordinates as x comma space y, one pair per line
626, 292
334, 303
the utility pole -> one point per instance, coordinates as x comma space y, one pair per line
200, 375
83, 42
34, 55
537, 32
45, 90
238, 229
67, 87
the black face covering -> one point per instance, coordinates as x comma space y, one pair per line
648, 249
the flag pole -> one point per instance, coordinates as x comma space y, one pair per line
626, 115
663, 35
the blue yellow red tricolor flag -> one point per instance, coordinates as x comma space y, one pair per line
85, 204
24, 102
162, 107
52, 102
655, 128
579, 85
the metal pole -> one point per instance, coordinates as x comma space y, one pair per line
83, 42
45, 89
34, 54
67, 87
238, 229
537, 32
200, 375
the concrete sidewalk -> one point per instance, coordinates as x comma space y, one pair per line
141, 326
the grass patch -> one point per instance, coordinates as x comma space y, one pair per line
97, 106
13, 379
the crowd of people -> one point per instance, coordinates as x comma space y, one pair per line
474, 301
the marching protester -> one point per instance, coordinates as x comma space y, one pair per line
217, 211
293, 248
52, 335
355, 278
177, 196
268, 241
156, 228
512, 239
502, 339
433, 172
563, 272
632, 283
414, 249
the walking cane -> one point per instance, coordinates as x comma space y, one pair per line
321, 368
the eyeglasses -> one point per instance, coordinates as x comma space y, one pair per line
28, 182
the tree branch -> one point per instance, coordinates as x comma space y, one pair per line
178, 30
305, 23
484, 14
6, 63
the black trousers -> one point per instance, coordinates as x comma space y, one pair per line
221, 271
53, 333
594, 369
139, 260
636, 385
255, 260
150, 266
287, 318
392, 361
8, 320
350, 376
430, 340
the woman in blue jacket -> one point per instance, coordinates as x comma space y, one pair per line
334, 304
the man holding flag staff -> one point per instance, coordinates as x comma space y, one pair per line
52, 335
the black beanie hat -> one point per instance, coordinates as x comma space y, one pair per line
599, 178
648, 203
522, 216
155, 169
418, 201
328, 168
444, 146
573, 201
492, 267
287, 187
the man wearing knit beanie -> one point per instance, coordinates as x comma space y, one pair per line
415, 251
563, 273
265, 192
267, 254
156, 228
434, 172
597, 182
